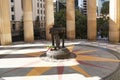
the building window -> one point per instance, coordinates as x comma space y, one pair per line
41, 11
13, 17
41, 5
41, 17
12, 8
44, 11
12, 0
38, 11
44, 17
37, 4
13, 26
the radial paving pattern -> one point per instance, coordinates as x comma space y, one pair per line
87, 63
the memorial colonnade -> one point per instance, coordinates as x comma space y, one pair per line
5, 28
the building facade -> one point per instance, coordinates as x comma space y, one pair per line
85, 7
61, 4
16, 14
99, 6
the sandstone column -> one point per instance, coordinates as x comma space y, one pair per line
28, 21
119, 19
70, 15
91, 20
118, 8
114, 23
5, 28
49, 14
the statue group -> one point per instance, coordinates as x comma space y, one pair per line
59, 51
57, 32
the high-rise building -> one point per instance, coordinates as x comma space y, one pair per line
85, 7
98, 3
17, 13
61, 4
39, 9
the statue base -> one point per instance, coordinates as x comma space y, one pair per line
62, 53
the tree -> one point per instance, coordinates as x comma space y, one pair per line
81, 25
37, 28
60, 18
103, 26
103, 22
80, 22
105, 8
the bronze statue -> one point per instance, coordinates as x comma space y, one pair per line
56, 33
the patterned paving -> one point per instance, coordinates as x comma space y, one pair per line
91, 61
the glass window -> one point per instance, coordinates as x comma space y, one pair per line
13, 26
37, 4
12, 8
13, 17
12, 0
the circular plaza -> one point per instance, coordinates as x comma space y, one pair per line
90, 61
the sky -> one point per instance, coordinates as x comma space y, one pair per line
80, 2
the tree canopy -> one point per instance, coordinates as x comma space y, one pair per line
105, 8
103, 22
80, 22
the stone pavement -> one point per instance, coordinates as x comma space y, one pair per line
90, 61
